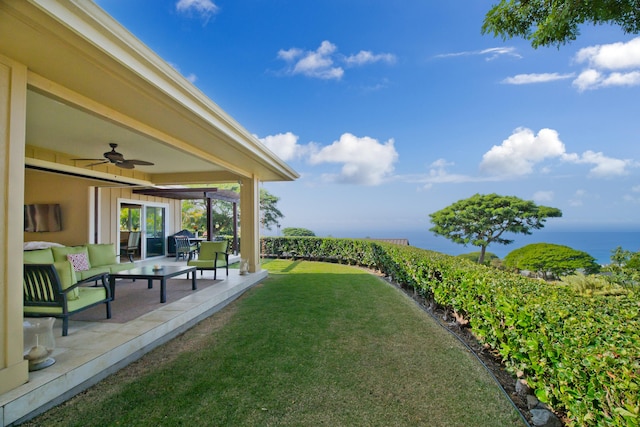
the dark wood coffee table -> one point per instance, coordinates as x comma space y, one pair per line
149, 273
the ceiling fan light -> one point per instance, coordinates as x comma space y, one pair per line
114, 157
125, 164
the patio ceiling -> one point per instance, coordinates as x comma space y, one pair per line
58, 127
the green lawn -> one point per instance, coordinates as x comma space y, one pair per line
316, 344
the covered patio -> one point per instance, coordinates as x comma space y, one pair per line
95, 349
73, 83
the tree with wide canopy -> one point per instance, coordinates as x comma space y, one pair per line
484, 218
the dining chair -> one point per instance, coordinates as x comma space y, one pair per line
184, 248
133, 244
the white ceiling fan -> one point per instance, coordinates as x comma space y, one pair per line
117, 159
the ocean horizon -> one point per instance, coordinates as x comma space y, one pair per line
598, 244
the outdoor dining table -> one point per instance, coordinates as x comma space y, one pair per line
150, 273
197, 240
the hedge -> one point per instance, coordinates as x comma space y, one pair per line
580, 354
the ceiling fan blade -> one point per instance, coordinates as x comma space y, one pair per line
96, 164
126, 164
140, 162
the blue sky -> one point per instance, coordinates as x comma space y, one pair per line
393, 110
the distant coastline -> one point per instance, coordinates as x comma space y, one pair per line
598, 244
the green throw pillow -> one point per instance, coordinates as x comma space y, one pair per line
102, 254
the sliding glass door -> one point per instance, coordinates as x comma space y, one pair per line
155, 230
149, 219
130, 247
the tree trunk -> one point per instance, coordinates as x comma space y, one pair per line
483, 249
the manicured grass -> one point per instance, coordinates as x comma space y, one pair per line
316, 344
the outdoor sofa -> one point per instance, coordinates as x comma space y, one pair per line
87, 260
53, 275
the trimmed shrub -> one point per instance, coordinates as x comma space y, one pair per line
489, 257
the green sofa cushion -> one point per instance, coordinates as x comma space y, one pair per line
207, 263
88, 296
122, 266
102, 254
93, 271
208, 249
67, 278
60, 253
40, 256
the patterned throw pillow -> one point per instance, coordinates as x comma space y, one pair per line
80, 262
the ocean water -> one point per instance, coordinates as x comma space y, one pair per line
598, 244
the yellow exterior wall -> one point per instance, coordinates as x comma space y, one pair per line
13, 96
76, 198
73, 196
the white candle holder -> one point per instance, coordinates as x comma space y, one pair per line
39, 342
244, 266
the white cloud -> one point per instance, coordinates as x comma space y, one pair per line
383, 84
204, 8
543, 196
285, 146
522, 151
290, 54
518, 154
588, 79
614, 56
365, 160
316, 63
615, 64
522, 79
604, 166
321, 63
367, 57
623, 79
438, 174
489, 54
593, 79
